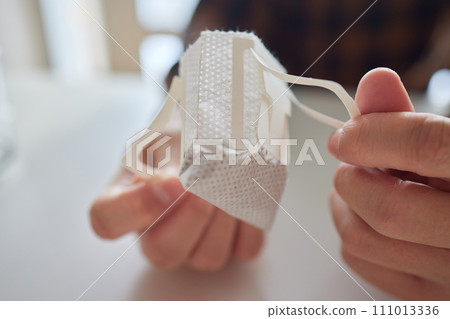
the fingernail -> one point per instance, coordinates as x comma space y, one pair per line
333, 143
167, 191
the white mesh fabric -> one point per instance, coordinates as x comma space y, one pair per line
206, 70
190, 73
232, 188
227, 81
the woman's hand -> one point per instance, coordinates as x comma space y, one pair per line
192, 232
391, 204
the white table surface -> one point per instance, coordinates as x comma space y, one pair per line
70, 140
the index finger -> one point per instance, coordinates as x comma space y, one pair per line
414, 142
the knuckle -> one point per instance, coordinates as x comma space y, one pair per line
160, 254
350, 259
434, 143
249, 251
346, 256
162, 260
340, 176
141, 204
209, 262
351, 136
387, 216
354, 240
200, 205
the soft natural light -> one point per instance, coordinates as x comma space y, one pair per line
165, 15
439, 89
76, 45
158, 53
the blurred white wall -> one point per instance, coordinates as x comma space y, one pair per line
76, 43
121, 22
165, 21
21, 34
164, 16
59, 35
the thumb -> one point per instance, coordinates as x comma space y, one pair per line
129, 205
381, 90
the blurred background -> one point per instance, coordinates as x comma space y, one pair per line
66, 36
98, 47
70, 97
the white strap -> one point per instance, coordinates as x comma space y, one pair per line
142, 139
172, 99
336, 88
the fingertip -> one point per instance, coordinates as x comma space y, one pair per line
333, 143
381, 90
100, 223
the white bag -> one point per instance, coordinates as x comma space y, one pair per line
233, 98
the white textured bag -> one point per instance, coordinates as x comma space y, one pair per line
232, 94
